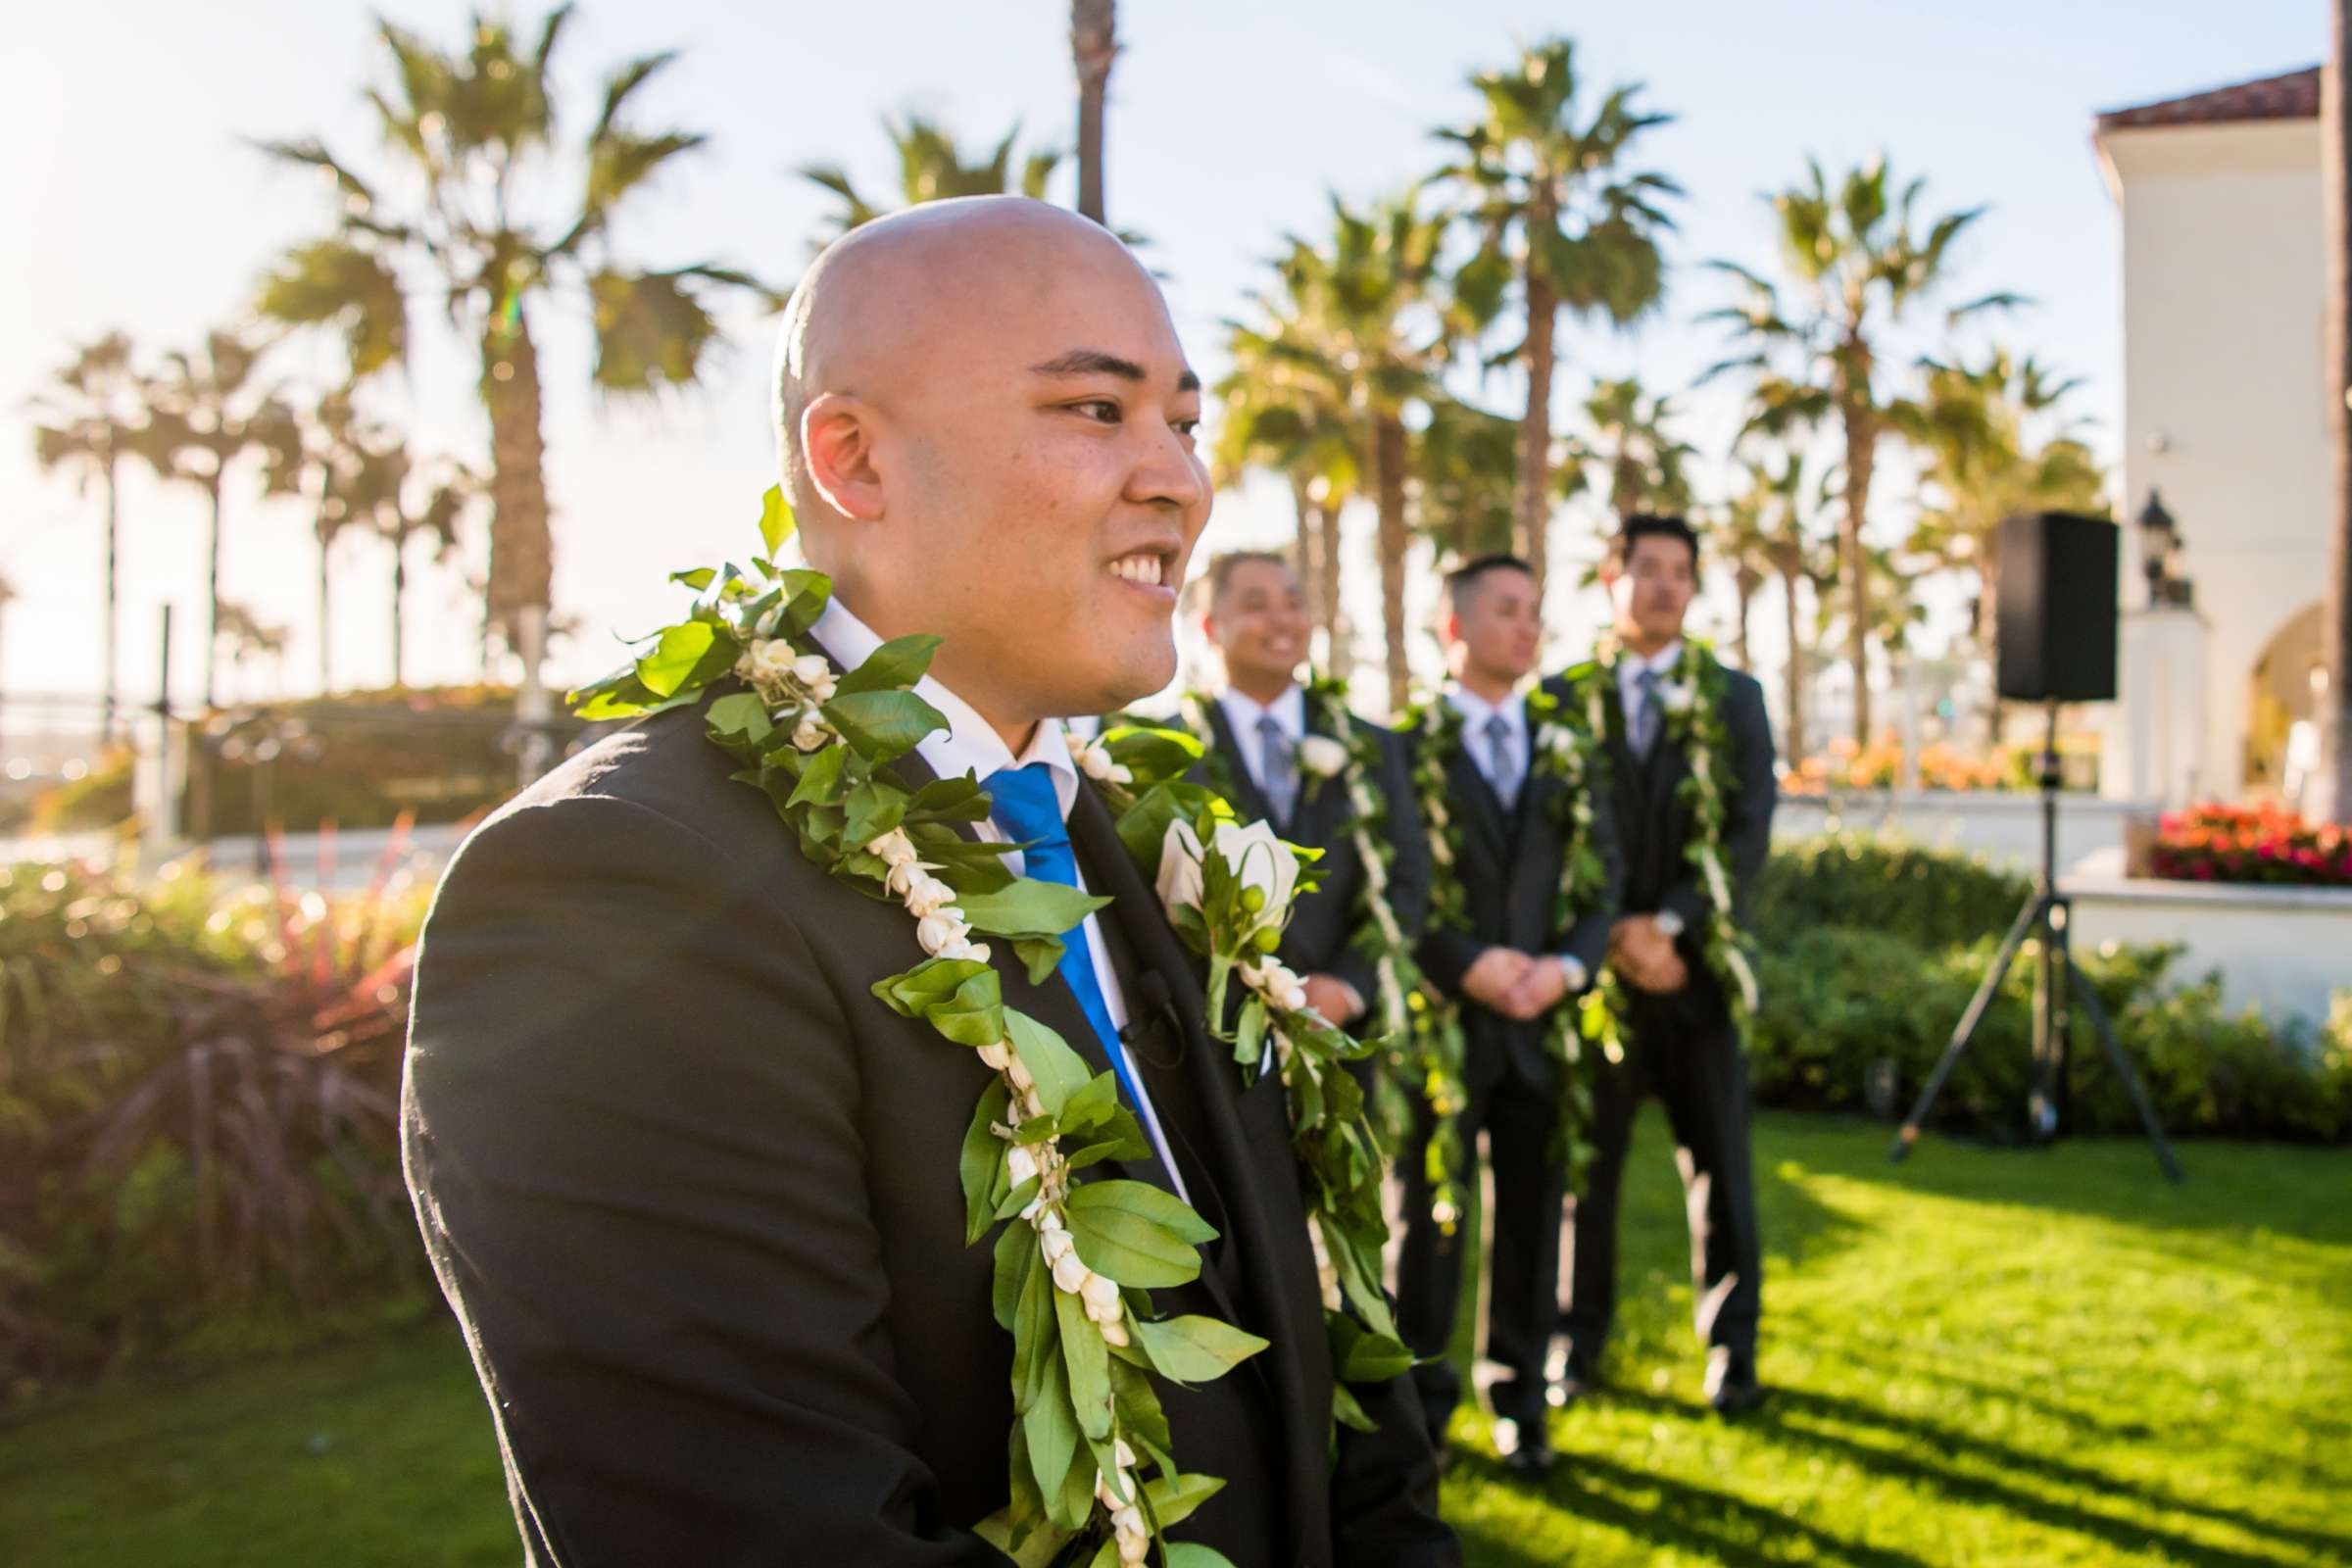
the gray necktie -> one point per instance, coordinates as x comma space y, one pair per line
1647, 715
1275, 772
1502, 766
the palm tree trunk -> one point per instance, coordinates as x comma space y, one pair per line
1792, 674
520, 549
1387, 467
2335, 162
1094, 45
400, 590
1743, 586
1861, 449
1535, 430
211, 583
114, 579
1306, 545
1327, 611
326, 624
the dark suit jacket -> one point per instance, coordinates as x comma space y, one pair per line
1654, 824
693, 1192
1509, 872
1320, 937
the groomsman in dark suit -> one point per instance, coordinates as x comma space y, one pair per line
1508, 962
1274, 748
1681, 1043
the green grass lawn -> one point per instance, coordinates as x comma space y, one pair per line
1983, 1357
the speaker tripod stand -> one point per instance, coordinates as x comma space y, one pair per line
2057, 980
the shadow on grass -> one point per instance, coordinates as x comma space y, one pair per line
1674, 1514
2230, 1187
1800, 1420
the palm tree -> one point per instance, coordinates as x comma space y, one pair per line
1465, 477
1857, 260
1995, 444
1282, 408
327, 463
476, 212
1562, 223
399, 500
1742, 540
250, 640
89, 414
1094, 46
1773, 529
932, 168
1370, 303
206, 412
1645, 464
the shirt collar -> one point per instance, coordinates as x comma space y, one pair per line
1630, 666
1476, 709
970, 743
1244, 712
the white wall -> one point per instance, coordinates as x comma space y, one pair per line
2223, 400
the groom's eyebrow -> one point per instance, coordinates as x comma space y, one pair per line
1095, 361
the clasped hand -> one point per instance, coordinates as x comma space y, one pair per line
1646, 956
1518, 985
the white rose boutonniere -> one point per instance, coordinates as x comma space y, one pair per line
1260, 860
1321, 756
1676, 697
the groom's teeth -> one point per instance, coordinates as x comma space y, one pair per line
1144, 570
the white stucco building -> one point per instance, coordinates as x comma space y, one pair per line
2224, 411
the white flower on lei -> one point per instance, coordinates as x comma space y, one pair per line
1676, 695
1321, 756
1095, 760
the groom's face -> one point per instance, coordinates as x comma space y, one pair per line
1049, 485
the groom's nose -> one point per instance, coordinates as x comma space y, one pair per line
1167, 475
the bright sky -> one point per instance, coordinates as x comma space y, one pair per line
135, 203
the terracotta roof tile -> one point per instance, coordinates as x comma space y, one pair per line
2293, 96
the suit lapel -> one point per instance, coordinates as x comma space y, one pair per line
1190, 1107
1248, 798
1275, 1272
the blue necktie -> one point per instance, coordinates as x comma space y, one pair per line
1024, 804
1647, 716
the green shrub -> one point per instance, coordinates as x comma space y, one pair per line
1871, 950
1879, 882
198, 1111
355, 759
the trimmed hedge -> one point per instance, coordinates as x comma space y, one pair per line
1870, 948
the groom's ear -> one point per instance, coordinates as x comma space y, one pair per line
837, 441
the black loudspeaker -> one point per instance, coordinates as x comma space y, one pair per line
2057, 608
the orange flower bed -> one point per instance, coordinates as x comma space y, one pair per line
2216, 843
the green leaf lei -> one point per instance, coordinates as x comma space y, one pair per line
1376, 931
1235, 928
1092, 1481
1558, 749
1690, 702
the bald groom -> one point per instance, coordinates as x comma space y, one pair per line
691, 1191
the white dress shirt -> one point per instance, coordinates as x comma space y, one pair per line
1476, 711
1245, 714
1629, 667
971, 745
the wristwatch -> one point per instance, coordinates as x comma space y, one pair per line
1669, 923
